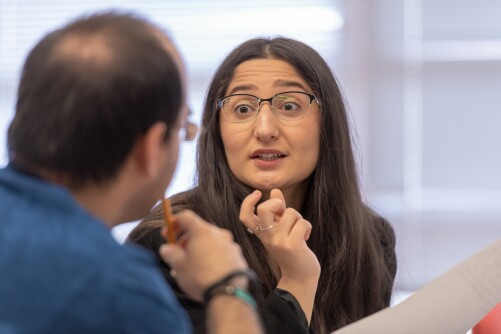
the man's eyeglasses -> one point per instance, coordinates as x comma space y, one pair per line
188, 131
287, 106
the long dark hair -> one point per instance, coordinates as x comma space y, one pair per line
355, 280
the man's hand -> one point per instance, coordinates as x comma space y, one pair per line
204, 255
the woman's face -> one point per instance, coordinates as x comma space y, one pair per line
267, 152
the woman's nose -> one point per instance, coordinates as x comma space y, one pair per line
266, 124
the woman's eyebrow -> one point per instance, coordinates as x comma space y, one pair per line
241, 88
277, 83
289, 83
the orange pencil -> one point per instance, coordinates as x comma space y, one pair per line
169, 221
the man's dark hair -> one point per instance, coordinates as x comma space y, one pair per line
87, 92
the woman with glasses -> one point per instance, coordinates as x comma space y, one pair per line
275, 166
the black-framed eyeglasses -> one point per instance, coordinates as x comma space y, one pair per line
287, 106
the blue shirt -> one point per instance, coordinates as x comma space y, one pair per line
61, 271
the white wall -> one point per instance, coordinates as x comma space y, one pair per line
424, 78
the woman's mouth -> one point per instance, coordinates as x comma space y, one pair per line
268, 156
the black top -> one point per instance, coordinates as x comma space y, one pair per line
280, 311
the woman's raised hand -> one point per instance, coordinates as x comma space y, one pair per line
284, 232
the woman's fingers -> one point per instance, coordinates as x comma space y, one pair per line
271, 217
276, 193
247, 215
301, 230
287, 221
268, 211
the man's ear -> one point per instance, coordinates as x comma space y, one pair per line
150, 150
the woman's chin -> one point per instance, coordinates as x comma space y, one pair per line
267, 187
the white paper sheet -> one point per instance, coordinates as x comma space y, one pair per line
453, 303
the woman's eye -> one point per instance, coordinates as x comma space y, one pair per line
289, 106
242, 109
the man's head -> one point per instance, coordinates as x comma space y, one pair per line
89, 92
